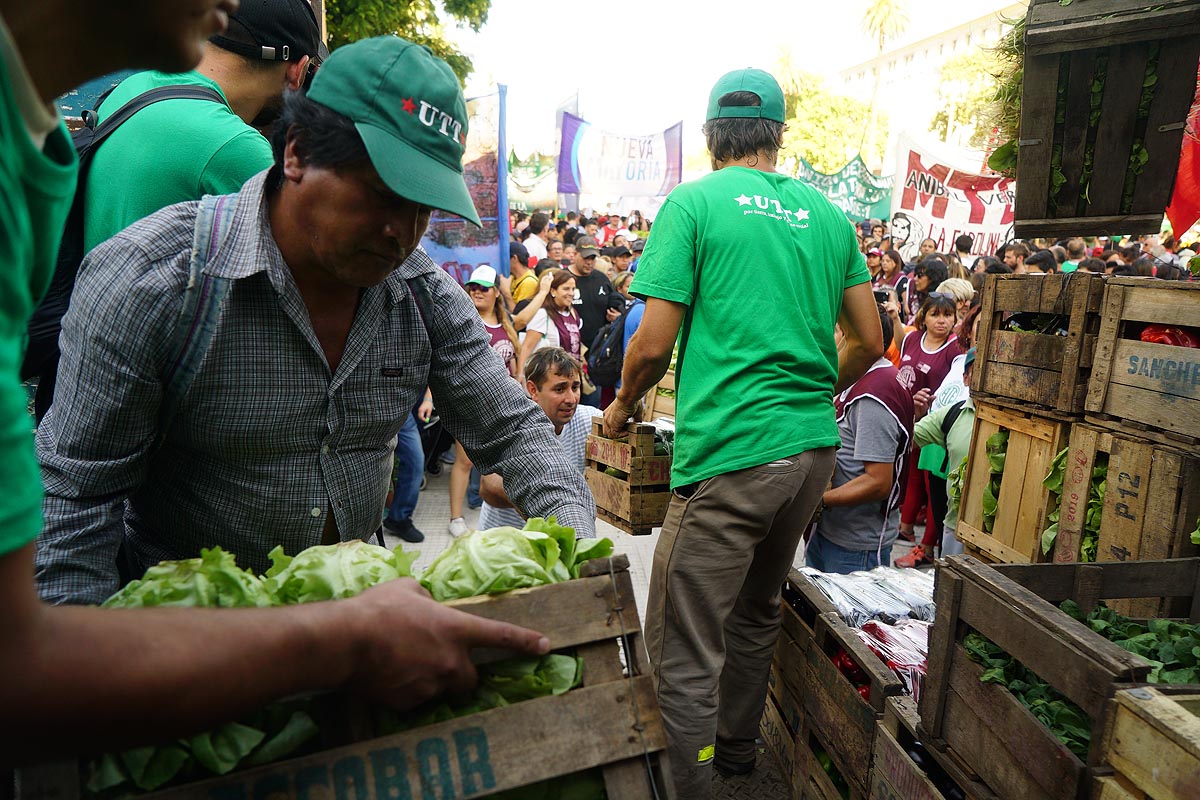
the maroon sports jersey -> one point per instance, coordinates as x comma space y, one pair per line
922, 369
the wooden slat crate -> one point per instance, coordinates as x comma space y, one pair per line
662, 405
1149, 389
1037, 369
1023, 503
833, 706
778, 737
984, 726
1151, 504
612, 721
1145, 56
638, 502
802, 605
1152, 740
894, 774
810, 781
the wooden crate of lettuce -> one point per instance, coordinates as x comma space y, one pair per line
1126, 499
1152, 741
630, 478
520, 733
1007, 502
1018, 689
1105, 93
1146, 378
1037, 340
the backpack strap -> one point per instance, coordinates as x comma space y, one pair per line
180, 91
948, 423
203, 302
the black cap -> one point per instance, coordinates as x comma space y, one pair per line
639, 245
272, 30
619, 250
517, 249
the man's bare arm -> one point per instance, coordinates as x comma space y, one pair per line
79, 679
491, 489
646, 360
859, 320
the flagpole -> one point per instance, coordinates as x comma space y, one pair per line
502, 184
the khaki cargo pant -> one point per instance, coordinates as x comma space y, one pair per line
713, 610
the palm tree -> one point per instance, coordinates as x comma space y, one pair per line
883, 20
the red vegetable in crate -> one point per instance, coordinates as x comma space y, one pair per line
847, 667
864, 692
1172, 335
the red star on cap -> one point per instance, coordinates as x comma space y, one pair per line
408, 105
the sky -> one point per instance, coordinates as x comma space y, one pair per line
642, 67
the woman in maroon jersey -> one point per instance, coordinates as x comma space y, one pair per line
925, 357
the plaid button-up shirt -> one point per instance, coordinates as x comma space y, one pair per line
267, 442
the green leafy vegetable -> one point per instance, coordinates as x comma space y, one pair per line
213, 580
333, 572
997, 450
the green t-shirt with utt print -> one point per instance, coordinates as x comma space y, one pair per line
769, 257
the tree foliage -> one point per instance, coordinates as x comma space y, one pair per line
416, 20
824, 128
965, 91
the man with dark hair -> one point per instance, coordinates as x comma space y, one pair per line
1015, 254
78, 680
1039, 263
183, 149
596, 302
962, 247
554, 380
334, 323
860, 517
755, 429
538, 235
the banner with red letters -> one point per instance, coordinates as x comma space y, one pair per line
933, 198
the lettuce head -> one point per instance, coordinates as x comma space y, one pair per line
213, 580
333, 571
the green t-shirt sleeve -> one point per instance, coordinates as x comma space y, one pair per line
929, 429
235, 162
667, 268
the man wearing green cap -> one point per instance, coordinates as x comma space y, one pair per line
755, 429
334, 323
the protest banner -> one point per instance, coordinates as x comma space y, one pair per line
853, 189
613, 165
932, 198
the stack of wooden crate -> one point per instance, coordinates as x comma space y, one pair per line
1102, 393
629, 480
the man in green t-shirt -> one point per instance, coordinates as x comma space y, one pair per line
755, 434
87, 679
180, 150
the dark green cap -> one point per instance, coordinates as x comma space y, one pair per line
761, 83
409, 110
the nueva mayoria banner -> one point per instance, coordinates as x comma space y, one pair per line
611, 165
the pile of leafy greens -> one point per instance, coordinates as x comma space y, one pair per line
1172, 648
481, 562
1090, 541
997, 450
954, 482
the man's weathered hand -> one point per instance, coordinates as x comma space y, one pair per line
921, 401
612, 314
414, 648
615, 417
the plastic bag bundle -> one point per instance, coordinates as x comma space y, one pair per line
903, 648
916, 594
858, 598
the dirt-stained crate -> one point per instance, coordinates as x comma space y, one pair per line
895, 775
984, 726
811, 780
1151, 503
611, 722
1147, 389
631, 484
660, 400
1152, 740
1023, 502
834, 705
1038, 369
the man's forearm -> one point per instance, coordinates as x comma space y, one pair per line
856, 492
642, 370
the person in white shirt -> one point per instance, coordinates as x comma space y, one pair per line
538, 236
554, 381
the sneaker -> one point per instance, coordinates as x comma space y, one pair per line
917, 557
448, 456
908, 536
458, 526
405, 530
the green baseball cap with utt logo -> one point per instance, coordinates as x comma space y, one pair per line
409, 110
770, 96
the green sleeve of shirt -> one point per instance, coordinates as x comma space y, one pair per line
667, 269
242, 157
929, 429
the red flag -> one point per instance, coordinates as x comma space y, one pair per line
1184, 210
